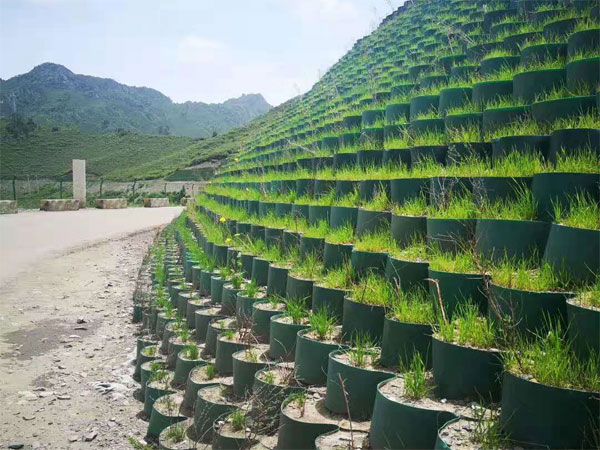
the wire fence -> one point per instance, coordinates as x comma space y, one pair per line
28, 192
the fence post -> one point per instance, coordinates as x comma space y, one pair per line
14, 183
101, 182
133, 188
60, 188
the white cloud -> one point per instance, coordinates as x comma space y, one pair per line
47, 2
193, 49
325, 10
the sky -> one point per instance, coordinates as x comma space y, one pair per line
196, 50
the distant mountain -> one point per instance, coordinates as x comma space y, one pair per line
51, 93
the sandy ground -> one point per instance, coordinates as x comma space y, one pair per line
66, 341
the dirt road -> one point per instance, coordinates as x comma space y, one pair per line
66, 340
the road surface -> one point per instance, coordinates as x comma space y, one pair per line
29, 236
66, 337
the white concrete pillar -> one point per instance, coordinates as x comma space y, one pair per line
79, 181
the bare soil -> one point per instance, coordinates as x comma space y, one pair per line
394, 390
343, 440
314, 411
67, 348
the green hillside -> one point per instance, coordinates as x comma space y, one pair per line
51, 93
48, 150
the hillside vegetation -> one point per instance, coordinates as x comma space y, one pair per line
51, 93
117, 156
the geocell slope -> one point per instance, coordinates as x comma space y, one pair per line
414, 243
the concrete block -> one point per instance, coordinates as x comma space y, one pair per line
8, 206
111, 203
156, 202
59, 205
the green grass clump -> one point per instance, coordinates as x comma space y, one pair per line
251, 289
549, 360
269, 377
339, 277
380, 202
191, 351
416, 250
307, 267
363, 352
176, 433
275, 301
229, 334
413, 207
238, 420
352, 199
460, 262
413, 306
210, 371
319, 230
376, 241
584, 161
373, 289
456, 206
323, 323
341, 235
295, 309
582, 212
416, 382
468, 328
529, 275
523, 207
589, 295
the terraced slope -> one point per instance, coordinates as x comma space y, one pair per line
409, 256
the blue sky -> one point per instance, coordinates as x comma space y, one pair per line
200, 50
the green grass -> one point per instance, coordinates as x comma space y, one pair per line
589, 295
341, 235
351, 200
318, 230
416, 250
460, 262
550, 361
413, 207
307, 267
582, 212
275, 300
380, 240
458, 205
177, 433
523, 207
339, 277
468, 328
379, 202
323, 323
210, 371
238, 420
416, 383
295, 309
413, 306
373, 290
363, 352
115, 156
251, 289
529, 275
191, 351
